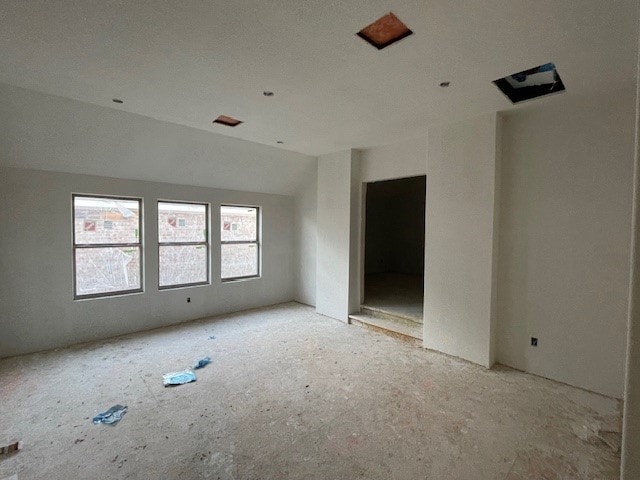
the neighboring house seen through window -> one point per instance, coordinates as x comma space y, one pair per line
107, 246
240, 246
183, 244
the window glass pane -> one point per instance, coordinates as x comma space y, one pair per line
106, 220
182, 222
239, 260
238, 223
183, 264
107, 269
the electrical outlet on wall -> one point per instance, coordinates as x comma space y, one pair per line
188, 299
534, 341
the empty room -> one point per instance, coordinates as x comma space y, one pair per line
319, 240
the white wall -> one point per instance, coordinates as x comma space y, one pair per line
404, 159
461, 167
497, 196
52, 133
564, 239
306, 234
36, 285
333, 274
527, 235
630, 462
355, 232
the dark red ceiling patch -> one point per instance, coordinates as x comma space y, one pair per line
385, 31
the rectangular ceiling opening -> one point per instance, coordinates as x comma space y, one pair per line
227, 121
385, 31
533, 83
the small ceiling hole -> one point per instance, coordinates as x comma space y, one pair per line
117, 100
280, 142
227, 121
533, 83
267, 93
445, 84
385, 31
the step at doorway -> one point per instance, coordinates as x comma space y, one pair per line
388, 323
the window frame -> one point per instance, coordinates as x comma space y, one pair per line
76, 246
206, 243
257, 242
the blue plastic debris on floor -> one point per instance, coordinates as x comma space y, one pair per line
203, 362
178, 378
111, 416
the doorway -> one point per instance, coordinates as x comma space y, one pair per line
394, 248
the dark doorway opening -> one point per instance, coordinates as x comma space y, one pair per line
394, 247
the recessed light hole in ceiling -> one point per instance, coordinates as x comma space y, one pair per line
227, 121
533, 83
385, 31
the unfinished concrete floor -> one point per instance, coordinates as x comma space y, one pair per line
291, 394
395, 293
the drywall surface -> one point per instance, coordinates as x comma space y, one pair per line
493, 345
36, 266
395, 216
306, 234
630, 462
461, 165
355, 232
564, 240
52, 133
404, 159
334, 232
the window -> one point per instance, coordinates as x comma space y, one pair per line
107, 249
183, 244
239, 238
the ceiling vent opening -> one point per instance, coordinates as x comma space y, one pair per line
533, 83
385, 31
227, 121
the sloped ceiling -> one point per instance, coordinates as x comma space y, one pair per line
188, 62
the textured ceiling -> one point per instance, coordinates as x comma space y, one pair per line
188, 62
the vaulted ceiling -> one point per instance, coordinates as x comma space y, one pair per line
190, 61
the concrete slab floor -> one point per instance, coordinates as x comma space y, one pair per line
396, 293
291, 394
